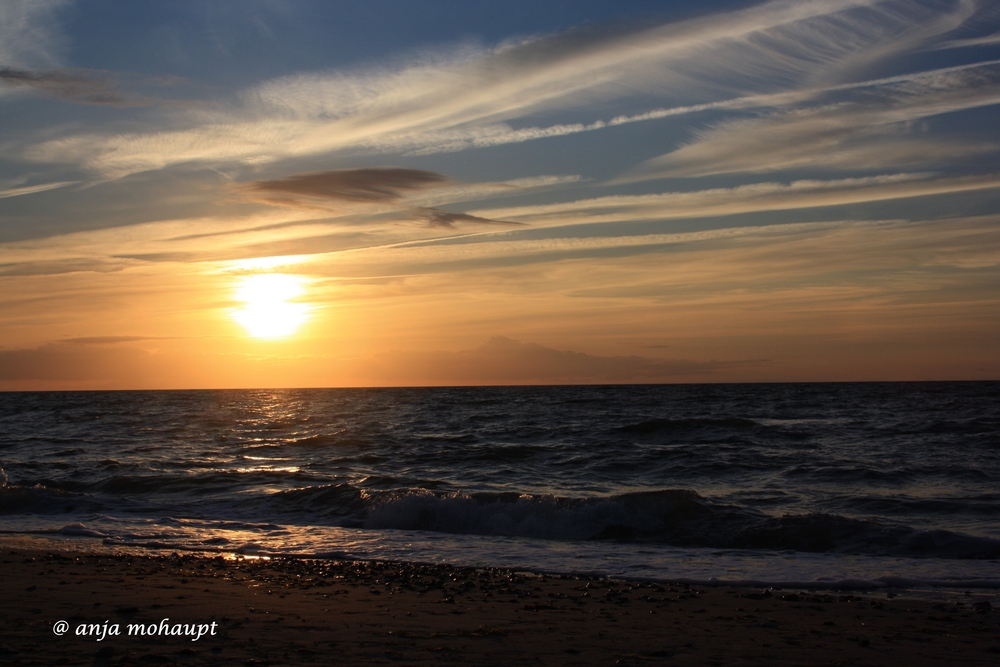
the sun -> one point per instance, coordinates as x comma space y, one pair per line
270, 310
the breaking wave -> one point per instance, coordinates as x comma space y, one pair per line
677, 517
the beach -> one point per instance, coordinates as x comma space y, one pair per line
287, 611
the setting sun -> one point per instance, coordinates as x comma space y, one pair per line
270, 310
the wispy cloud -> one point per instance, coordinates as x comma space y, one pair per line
466, 99
64, 84
104, 340
387, 188
29, 33
986, 40
75, 85
41, 267
870, 132
701, 262
32, 189
317, 215
290, 231
32, 46
743, 199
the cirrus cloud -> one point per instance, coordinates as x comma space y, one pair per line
470, 98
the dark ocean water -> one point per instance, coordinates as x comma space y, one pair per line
771, 482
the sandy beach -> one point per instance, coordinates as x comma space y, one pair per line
319, 612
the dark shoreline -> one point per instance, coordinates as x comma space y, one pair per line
896, 584
295, 611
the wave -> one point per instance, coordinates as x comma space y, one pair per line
38, 499
150, 485
676, 517
321, 440
324, 501
79, 530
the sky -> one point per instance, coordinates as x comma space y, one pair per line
254, 193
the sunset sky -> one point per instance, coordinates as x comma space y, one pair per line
245, 193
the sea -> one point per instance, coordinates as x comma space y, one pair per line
819, 485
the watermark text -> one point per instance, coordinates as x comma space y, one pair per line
101, 631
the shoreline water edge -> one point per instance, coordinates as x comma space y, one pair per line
696, 567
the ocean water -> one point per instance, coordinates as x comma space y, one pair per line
816, 484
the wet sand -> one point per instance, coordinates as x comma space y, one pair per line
312, 612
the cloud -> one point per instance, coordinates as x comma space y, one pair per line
29, 32
987, 40
467, 98
873, 131
61, 265
161, 257
105, 340
32, 189
750, 198
60, 361
447, 220
30, 45
828, 300
65, 84
380, 238
384, 184
502, 361
725, 267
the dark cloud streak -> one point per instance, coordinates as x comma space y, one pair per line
106, 340
437, 218
66, 84
69, 362
377, 185
54, 267
353, 185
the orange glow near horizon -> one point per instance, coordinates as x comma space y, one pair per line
271, 310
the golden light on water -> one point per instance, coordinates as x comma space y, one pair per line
271, 310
